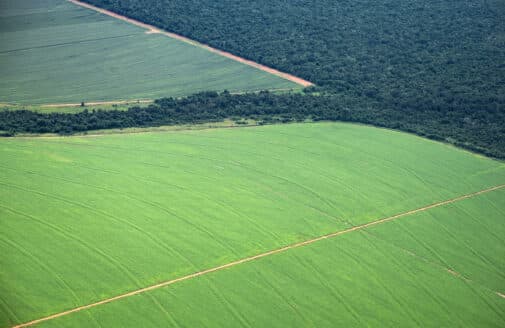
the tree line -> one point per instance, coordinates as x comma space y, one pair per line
477, 131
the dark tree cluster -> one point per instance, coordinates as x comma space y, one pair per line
478, 131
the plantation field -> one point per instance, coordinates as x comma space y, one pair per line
101, 216
53, 51
367, 278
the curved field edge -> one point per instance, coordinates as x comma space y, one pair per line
198, 199
264, 108
229, 123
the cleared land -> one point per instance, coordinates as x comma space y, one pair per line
366, 278
262, 255
54, 51
101, 216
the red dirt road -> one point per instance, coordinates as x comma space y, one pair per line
259, 256
152, 30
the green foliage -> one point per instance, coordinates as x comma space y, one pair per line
56, 52
478, 131
100, 216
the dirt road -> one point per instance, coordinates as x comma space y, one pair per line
154, 30
259, 256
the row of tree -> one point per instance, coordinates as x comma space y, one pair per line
480, 131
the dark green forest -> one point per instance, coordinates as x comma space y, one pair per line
435, 67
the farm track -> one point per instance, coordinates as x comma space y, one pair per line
154, 30
265, 254
98, 103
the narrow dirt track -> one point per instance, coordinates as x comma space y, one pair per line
98, 103
154, 30
259, 256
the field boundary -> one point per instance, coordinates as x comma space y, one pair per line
261, 255
154, 30
98, 103
137, 101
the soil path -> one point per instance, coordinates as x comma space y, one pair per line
98, 103
154, 30
259, 256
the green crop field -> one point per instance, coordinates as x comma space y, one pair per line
362, 279
52, 51
91, 217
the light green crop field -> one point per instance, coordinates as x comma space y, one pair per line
88, 218
52, 51
356, 280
